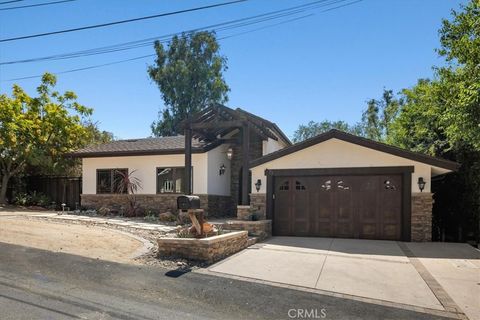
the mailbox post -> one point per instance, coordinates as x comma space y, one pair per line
191, 204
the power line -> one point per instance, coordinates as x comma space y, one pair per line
36, 5
232, 24
121, 21
152, 55
6, 2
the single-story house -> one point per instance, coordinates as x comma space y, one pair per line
333, 185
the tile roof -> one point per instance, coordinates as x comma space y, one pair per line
175, 144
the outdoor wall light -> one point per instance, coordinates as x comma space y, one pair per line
258, 184
229, 153
221, 171
421, 184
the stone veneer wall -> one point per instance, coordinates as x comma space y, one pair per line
214, 206
258, 204
421, 221
256, 150
206, 249
244, 213
260, 229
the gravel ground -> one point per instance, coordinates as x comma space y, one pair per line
151, 258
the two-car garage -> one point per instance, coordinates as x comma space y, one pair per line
340, 185
357, 204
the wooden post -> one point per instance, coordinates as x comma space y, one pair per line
245, 162
188, 160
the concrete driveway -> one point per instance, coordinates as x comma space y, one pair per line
437, 278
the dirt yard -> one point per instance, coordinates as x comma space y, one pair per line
89, 241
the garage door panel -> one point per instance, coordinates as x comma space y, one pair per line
391, 231
356, 206
322, 211
283, 203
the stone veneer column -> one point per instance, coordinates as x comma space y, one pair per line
258, 203
421, 222
243, 212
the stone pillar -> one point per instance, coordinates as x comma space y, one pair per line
258, 203
421, 222
243, 212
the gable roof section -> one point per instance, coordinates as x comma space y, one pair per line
364, 142
273, 126
147, 146
217, 113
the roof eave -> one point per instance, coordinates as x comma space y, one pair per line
437, 162
101, 154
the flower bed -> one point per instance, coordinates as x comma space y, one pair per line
209, 249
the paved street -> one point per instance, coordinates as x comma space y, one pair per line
39, 284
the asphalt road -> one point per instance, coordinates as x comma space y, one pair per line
38, 284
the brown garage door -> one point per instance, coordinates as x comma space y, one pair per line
367, 207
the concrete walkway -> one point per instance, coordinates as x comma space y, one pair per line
118, 221
438, 278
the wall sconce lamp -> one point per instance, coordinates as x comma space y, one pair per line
221, 171
421, 184
229, 153
258, 184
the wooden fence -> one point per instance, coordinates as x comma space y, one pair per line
59, 189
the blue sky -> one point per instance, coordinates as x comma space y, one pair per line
321, 67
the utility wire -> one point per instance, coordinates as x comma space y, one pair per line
36, 5
6, 2
152, 55
121, 21
232, 24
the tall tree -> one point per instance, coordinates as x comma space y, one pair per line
313, 128
442, 117
189, 74
39, 128
460, 46
379, 115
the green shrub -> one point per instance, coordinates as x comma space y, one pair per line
39, 199
22, 199
151, 216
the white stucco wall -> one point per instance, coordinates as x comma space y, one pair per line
145, 167
218, 184
335, 153
206, 178
270, 145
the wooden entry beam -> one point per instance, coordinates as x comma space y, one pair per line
245, 163
188, 161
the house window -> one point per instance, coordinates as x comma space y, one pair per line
299, 186
171, 180
109, 180
284, 186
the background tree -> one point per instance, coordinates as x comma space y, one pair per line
40, 130
59, 165
375, 124
441, 117
313, 128
189, 74
379, 115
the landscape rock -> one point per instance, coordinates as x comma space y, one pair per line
167, 217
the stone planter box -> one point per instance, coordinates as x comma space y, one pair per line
206, 249
261, 229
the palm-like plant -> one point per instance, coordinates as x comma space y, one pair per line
126, 182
